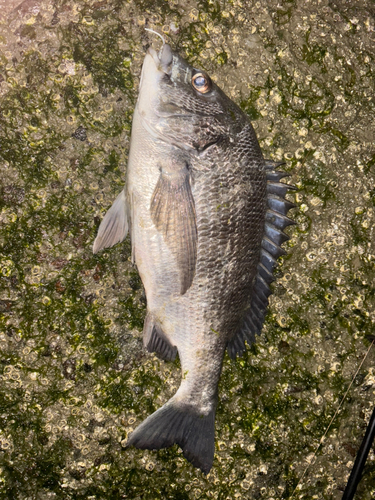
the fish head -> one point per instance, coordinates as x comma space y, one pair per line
181, 105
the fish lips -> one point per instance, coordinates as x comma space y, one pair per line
163, 59
157, 63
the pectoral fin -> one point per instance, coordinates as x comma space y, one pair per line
114, 226
173, 213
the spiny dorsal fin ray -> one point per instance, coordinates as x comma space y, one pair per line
275, 235
280, 221
278, 204
272, 247
276, 221
273, 165
267, 260
262, 286
279, 188
275, 176
265, 273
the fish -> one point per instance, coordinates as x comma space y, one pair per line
206, 214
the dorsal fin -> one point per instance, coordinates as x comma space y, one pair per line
275, 223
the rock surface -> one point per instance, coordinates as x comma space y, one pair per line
74, 377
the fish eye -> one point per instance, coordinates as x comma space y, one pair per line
201, 82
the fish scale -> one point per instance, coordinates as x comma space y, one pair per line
207, 216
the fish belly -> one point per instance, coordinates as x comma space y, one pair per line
153, 258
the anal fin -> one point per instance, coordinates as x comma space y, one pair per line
156, 341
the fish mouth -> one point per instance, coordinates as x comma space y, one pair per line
163, 58
155, 66
158, 67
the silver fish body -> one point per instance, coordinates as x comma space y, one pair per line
206, 215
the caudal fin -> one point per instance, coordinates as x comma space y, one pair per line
174, 424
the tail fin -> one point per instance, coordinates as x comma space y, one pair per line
177, 424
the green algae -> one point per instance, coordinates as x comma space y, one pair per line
75, 379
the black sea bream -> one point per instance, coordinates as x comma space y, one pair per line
206, 215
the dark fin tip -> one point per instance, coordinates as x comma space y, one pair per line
271, 247
279, 204
278, 220
272, 165
156, 341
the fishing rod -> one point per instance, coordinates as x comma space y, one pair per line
360, 461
